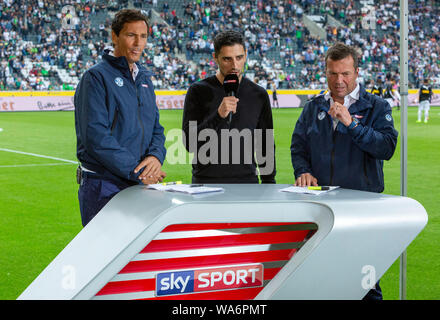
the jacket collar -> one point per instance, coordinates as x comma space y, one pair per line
121, 63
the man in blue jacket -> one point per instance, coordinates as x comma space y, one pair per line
120, 141
342, 137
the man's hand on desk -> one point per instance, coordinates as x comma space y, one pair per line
152, 172
154, 179
306, 180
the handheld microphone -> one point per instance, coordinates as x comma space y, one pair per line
230, 84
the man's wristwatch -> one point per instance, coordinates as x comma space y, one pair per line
354, 123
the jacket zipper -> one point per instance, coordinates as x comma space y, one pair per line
139, 118
332, 156
140, 121
332, 164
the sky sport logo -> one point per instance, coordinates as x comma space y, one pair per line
209, 279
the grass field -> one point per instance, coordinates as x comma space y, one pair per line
39, 212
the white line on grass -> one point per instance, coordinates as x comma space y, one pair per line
35, 165
38, 155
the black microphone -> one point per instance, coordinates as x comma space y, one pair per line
230, 84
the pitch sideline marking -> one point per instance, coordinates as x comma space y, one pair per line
38, 155
35, 165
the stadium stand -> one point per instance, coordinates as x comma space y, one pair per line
48, 44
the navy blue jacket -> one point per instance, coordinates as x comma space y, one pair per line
117, 120
351, 159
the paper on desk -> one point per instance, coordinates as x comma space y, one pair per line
306, 190
160, 187
184, 188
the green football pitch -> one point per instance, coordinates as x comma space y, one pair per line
39, 212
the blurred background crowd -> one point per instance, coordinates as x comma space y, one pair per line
48, 44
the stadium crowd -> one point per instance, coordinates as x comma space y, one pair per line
48, 44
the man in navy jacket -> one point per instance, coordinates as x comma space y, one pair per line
120, 141
342, 137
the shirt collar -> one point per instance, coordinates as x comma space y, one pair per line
355, 93
353, 96
135, 70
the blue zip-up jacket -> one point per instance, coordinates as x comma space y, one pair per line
351, 159
117, 120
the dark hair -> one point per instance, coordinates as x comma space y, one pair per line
127, 15
228, 38
340, 51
